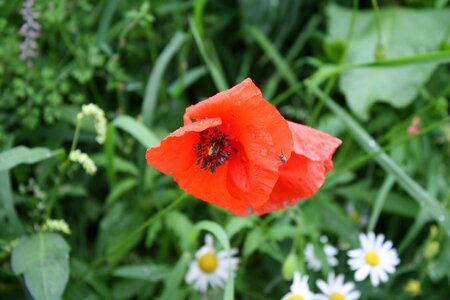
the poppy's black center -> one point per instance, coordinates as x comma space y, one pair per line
213, 149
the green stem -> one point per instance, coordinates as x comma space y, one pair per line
378, 21
59, 180
332, 81
379, 202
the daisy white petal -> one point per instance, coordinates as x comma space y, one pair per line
210, 268
337, 288
299, 289
375, 259
330, 252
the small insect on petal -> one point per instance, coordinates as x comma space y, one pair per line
282, 158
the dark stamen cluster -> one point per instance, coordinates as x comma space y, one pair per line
213, 149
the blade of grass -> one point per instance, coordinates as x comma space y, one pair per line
109, 150
139, 131
104, 24
421, 219
274, 55
186, 80
154, 80
222, 237
293, 52
213, 67
379, 201
427, 201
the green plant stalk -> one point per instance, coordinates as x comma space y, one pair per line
54, 195
332, 81
379, 201
427, 201
438, 57
378, 21
220, 234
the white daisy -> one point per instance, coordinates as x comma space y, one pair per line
376, 258
210, 268
313, 262
337, 289
299, 289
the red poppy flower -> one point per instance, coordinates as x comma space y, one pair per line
236, 151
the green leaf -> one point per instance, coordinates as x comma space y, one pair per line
44, 261
253, 241
119, 189
186, 80
172, 288
154, 80
138, 130
397, 86
282, 66
8, 202
148, 272
181, 226
236, 224
23, 155
212, 64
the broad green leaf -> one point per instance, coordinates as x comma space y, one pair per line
405, 32
23, 155
149, 272
138, 130
43, 259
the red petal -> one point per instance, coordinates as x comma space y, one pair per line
262, 133
312, 143
304, 173
176, 152
299, 178
175, 156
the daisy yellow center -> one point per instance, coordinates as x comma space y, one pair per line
296, 297
372, 258
354, 215
208, 262
336, 296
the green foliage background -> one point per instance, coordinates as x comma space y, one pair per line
348, 68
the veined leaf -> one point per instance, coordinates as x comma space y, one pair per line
23, 155
395, 85
43, 259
